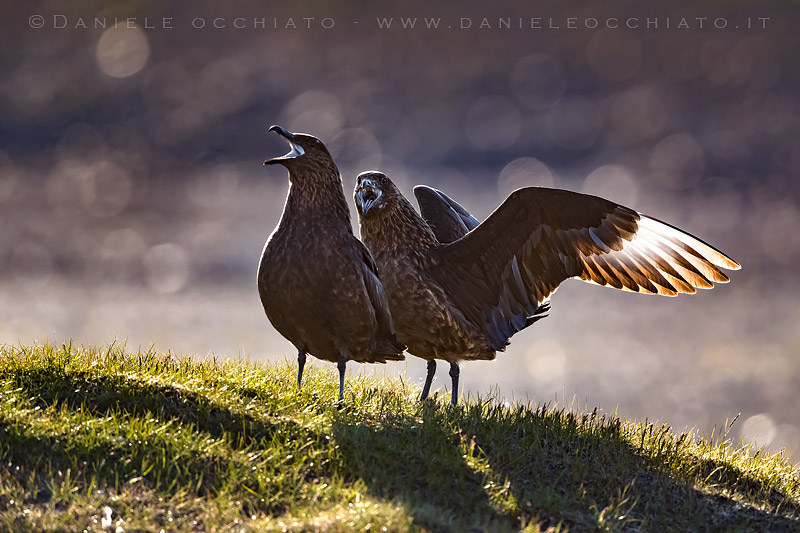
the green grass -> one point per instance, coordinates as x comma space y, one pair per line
161, 442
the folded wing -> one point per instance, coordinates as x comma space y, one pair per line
377, 296
448, 220
505, 269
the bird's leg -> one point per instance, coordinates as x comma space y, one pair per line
342, 367
301, 362
428, 379
454, 373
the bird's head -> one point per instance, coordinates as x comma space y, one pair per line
374, 193
306, 151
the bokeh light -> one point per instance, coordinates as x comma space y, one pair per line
316, 111
524, 172
167, 267
677, 161
122, 51
613, 182
546, 363
761, 428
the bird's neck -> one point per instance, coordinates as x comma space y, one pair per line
321, 196
400, 229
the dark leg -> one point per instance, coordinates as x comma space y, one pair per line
342, 367
301, 362
428, 379
454, 373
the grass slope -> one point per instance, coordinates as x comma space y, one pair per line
100, 439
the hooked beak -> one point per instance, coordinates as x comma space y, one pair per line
294, 153
368, 195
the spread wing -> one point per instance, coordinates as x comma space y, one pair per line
448, 220
502, 271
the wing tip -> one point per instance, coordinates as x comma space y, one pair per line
731, 263
712, 254
424, 189
721, 260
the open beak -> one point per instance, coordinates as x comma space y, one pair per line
368, 195
295, 152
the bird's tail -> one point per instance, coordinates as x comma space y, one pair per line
390, 349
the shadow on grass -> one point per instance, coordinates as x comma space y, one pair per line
120, 394
543, 467
559, 468
471, 467
156, 455
419, 462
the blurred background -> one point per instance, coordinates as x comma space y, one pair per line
134, 205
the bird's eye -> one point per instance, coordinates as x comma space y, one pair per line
383, 179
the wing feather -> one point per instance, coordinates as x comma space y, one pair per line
509, 265
448, 220
375, 292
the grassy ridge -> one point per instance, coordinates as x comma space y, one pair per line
100, 439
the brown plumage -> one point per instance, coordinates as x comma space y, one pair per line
463, 300
318, 283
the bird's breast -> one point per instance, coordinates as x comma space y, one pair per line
425, 319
